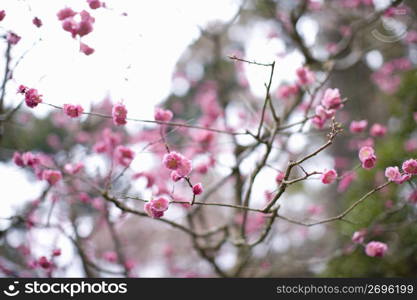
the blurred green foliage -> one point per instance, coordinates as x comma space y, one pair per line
396, 226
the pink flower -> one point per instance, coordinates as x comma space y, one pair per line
185, 167
198, 189
110, 256
369, 162
119, 114
73, 168
73, 111
376, 249
367, 157
328, 177
280, 177
86, 24
124, 155
393, 174
22, 89
13, 38
346, 181
17, 159
65, 13
318, 122
331, 99
415, 116
94, 4
32, 98
37, 22
2, 15
172, 160
56, 252
160, 204
287, 91
52, 176
378, 130
163, 115
70, 25
156, 207
324, 113
358, 126
30, 159
305, 76
44, 263
359, 236
87, 50
410, 166
175, 177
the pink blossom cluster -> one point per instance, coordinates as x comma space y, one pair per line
179, 164
156, 207
305, 76
81, 28
387, 77
32, 97
73, 168
367, 157
73, 111
330, 103
376, 249
287, 91
94, 4
119, 114
12, 38
409, 168
124, 155
163, 115
329, 176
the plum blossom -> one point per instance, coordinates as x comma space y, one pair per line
73, 111
37, 22
94, 4
378, 130
32, 97
73, 168
163, 115
305, 76
178, 163
87, 50
376, 249
156, 207
393, 174
2, 15
198, 189
410, 166
329, 176
124, 155
44, 263
65, 13
346, 181
358, 126
280, 177
52, 176
119, 114
13, 38
287, 91
359, 236
367, 157
331, 99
